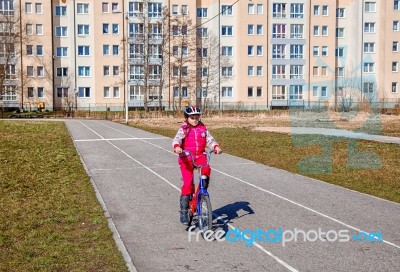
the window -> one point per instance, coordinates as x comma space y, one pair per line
40, 91
259, 50
395, 25
396, 5
369, 67
250, 70
250, 50
184, 30
395, 46
227, 50
259, 70
38, 8
278, 51
370, 7
31, 92
82, 8
61, 11
84, 92
83, 29
315, 71
39, 29
340, 32
175, 10
202, 12
259, 29
106, 70
227, 91
278, 10
39, 50
106, 92
84, 71
395, 66
250, 29
62, 51
226, 30
394, 87
175, 30
62, 92
227, 71
324, 70
203, 71
62, 72
278, 92
339, 52
10, 72
116, 92
115, 70
368, 87
115, 49
324, 30
296, 31
339, 72
278, 71
249, 91
114, 7
29, 71
106, 49
259, 92
296, 72
316, 10
115, 28
9, 94
316, 30
369, 27
316, 51
61, 31
184, 10
29, 29
106, 28
260, 8
226, 10
137, 50
296, 10
315, 91
29, 50
325, 10
40, 71
202, 52
324, 51
104, 8
83, 50
136, 72
28, 7
296, 92
369, 47
202, 32
324, 91
135, 9
296, 51
250, 8
279, 31
154, 10
340, 13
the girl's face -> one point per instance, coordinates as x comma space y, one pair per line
194, 120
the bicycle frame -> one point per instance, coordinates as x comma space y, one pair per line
194, 205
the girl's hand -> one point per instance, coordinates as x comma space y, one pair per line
178, 150
217, 150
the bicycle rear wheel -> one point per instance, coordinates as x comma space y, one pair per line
205, 213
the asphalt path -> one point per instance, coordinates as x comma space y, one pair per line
137, 178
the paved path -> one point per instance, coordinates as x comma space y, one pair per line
137, 177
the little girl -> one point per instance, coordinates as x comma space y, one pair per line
193, 136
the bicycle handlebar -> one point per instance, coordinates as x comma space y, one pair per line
187, 153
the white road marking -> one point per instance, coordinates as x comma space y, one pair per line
117, 139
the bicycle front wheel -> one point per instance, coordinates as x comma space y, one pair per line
205, 214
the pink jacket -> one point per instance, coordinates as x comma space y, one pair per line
194, 139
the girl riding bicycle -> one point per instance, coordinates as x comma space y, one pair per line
193, 136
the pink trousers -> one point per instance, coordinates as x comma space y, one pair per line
186, 166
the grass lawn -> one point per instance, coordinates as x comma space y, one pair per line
50, 219
380, 176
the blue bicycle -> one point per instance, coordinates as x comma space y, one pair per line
200, 199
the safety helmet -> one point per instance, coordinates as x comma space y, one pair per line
191, 110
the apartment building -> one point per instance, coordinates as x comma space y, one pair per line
251, 54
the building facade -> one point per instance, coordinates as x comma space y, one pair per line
250, 54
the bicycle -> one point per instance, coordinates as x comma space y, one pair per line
202, 207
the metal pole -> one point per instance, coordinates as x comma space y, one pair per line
126, 70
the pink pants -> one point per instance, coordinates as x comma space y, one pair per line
186, 166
